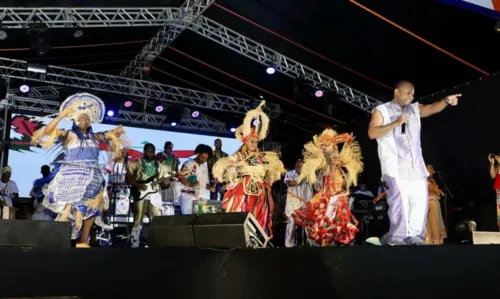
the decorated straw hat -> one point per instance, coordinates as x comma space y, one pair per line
84, 103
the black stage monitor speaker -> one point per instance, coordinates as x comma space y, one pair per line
31, 233
228, 230
171, 231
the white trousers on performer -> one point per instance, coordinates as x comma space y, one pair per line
186, 203
291, 228
408, 201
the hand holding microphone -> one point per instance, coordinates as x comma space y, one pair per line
402, 120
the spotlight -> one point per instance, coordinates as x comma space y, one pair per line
270, 70
159, 108
3, 35
233, 130
195, 114
24, 88
173, 124
318, 93
40, 46
78, 34
127, 104
111, 113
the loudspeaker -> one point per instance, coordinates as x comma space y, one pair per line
485, 238
171, 231
31, 233
228, 230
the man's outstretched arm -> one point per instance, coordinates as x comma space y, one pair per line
438, 106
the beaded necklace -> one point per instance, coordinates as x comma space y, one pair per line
148, 168
169, 160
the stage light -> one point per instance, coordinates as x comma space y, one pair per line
111, 113
24, 88
233, 130
195, 114
173, 124
270, 70
39, 69
318, 93
127, 104
159, 108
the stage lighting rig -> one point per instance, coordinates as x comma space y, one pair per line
37, 33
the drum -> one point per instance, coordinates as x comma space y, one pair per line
173, 193
122, 200
207, 207
116, 179
168, 209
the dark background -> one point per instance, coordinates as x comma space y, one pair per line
458, 141
352, 45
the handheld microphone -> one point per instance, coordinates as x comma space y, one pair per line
403, 126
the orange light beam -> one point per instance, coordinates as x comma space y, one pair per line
418, 37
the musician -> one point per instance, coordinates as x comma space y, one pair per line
495, 174
396, 127
8, 191
168, 159
195, 179
141, 176
217, 154
298, 194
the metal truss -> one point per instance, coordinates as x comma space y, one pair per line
247, 47
39, 92
64, 17
146, 90
44, 106
189, 11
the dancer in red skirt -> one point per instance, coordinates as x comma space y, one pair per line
327, 217
249, 173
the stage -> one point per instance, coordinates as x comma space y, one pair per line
458, 271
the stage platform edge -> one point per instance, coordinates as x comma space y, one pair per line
457, 271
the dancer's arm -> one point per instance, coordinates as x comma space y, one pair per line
494, 168
438, 106
51, 131
376, 129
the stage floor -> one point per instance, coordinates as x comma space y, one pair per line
458, 271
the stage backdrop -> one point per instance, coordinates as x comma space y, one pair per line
458, 142
26, 160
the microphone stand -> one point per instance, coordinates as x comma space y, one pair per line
445, 202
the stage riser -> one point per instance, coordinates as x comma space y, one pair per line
353, 272
26, 233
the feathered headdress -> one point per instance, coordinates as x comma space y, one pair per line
255, 124
316, 157
84, 103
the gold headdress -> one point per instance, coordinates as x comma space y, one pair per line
317, 154
84, 103
255, 124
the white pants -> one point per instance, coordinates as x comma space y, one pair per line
408, 201
186, 203
291, 228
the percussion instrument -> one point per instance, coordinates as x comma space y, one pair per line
205, 206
